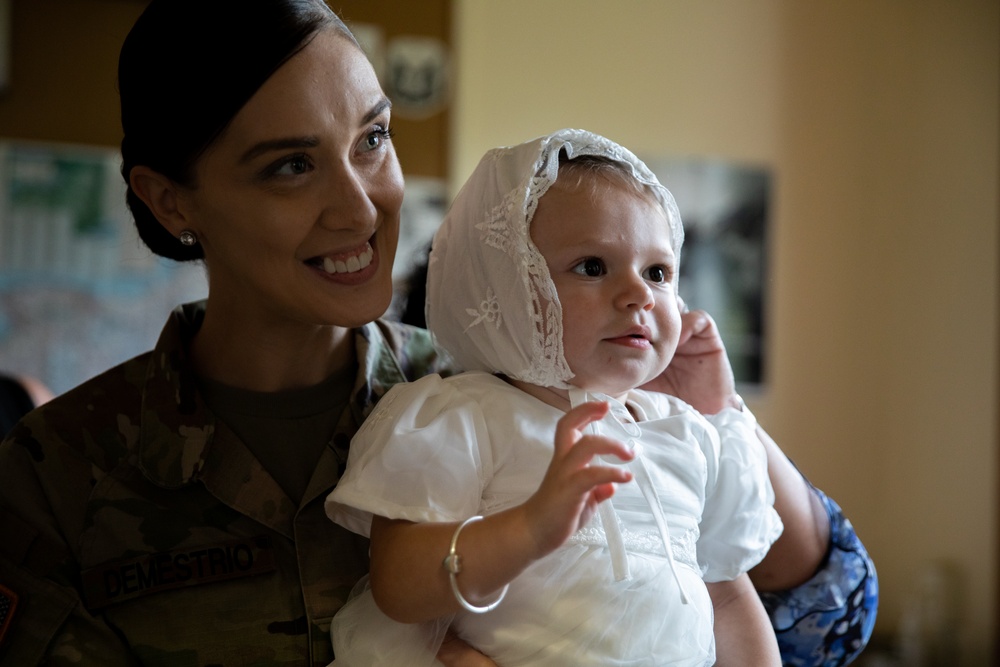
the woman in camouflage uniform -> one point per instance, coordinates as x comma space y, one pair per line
170, 511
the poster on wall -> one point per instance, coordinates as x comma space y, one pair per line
724, 207
417, 76
413, 69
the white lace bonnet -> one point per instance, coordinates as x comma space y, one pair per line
491, 302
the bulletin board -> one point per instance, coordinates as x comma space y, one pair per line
409, 43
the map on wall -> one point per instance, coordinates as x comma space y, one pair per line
79, 292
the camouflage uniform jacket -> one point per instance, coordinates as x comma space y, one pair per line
136, 528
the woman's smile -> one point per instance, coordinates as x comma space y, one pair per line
348, 267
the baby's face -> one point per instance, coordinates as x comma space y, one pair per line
608, 251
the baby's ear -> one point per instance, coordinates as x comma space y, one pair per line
161, 195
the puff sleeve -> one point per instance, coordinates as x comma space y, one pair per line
739, 522
422, 455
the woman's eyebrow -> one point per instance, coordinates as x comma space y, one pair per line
377, 110
286, 143
281, 144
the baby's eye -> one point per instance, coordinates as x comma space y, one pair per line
591, 267
656, 274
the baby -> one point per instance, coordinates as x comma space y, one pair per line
541, 504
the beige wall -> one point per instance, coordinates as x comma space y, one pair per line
880, 121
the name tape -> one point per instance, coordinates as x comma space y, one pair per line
127, 579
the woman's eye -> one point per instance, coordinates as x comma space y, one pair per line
591, 267
293, 166
375, 139
656, 274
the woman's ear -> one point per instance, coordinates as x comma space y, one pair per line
161, 195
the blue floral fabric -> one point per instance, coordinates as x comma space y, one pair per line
827, 621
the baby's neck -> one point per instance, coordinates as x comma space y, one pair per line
557, 398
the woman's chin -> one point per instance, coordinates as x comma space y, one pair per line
366, 310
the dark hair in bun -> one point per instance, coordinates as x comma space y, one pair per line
185, 69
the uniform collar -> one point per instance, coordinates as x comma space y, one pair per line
176, 428
178, 432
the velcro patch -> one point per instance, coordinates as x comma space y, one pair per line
8, 605
127, 579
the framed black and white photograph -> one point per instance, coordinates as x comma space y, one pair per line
724, 207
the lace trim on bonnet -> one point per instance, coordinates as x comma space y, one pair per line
491, 302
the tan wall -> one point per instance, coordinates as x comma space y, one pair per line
880, 121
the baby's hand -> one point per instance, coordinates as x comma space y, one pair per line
699, 373
572, 488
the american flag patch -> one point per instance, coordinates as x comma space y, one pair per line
8, 604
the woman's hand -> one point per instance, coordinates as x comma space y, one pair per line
572, 488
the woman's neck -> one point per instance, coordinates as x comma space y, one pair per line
263, 356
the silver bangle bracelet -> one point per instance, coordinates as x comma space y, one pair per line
453, 563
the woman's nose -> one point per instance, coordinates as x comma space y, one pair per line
348, 203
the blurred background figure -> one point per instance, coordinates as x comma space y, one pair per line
19, 395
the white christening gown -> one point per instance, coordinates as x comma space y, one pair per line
447, 449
